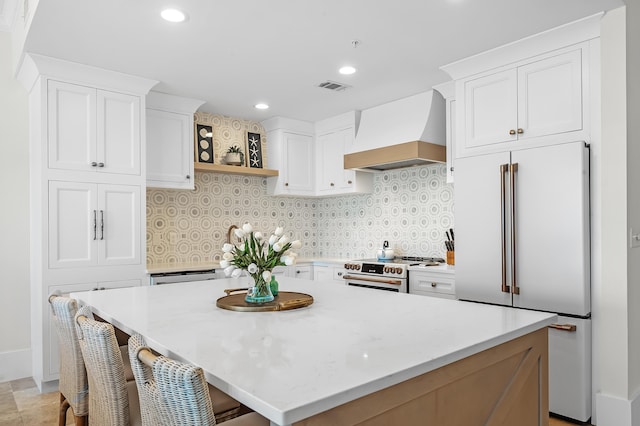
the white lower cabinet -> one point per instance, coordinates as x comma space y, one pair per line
431, 283
328, 273
52, 363
93, 224
302, 271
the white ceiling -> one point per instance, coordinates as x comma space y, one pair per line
235, 53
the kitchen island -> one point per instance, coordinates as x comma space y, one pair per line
354, 355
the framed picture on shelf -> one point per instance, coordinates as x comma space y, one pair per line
204, 143
254, 150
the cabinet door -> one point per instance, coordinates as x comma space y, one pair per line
298, 163
550, 95
169, 150
322, 273
71, 137
73, 215
451, 138
305, 272
118, 137
478, 229
490, 109
330, 166
119, 225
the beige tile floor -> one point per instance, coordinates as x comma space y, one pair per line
22, 405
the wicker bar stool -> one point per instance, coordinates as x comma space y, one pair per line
176, 394
73, 385
112, 400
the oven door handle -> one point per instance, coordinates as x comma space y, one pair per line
372, 279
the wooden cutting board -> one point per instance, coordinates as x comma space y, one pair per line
284, 301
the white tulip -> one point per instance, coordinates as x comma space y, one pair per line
277, 247
258, 235
227, 256
279, 231
283, 240
288, 260
296, 244
227, 247
273, 239
236, 273
252, 268
228, 270
224, 263
247, 228
239, 233
266, 275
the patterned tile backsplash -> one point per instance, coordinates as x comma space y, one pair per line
411, 208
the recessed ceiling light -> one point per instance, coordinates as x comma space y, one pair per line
261, 106
346, 70
173, 15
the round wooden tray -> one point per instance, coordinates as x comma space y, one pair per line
284, 301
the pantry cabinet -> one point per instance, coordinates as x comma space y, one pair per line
93, 130
170, 141
87, 224
93, 224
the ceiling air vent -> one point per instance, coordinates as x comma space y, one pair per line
333, 85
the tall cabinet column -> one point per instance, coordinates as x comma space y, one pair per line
87, 185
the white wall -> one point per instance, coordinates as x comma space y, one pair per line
633, 194
15, 358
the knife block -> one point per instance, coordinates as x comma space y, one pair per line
451, 258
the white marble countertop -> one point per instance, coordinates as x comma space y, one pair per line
163, 268
442, 268
293, 364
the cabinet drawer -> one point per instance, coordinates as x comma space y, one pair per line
432, 285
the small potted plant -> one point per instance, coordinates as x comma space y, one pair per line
234, 156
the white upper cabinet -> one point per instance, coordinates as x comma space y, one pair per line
92, 129
537, 91
447, 90
170, 140
334, 138
539, 99
290, 150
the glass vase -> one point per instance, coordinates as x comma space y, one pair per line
261, 290
274, 285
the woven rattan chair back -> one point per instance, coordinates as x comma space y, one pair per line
171, 393
108, 398
73, 385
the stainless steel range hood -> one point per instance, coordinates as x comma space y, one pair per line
404, 133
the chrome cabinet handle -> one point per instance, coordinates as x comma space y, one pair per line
102, 224
503, 237
100, 164
349, 182
514, 285
332, 184
95, 225
93, 164
188, 177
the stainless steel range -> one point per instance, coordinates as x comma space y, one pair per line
389, 275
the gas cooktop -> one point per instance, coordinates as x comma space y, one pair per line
405, 260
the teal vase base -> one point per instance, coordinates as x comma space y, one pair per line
260, 292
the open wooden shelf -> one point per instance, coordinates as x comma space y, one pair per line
237, 170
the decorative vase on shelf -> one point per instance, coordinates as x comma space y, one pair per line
261, 290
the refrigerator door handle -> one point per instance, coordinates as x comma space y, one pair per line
514, 284
571, 328
503, 225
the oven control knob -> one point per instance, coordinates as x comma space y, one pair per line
357, 267
398, 270
385, 269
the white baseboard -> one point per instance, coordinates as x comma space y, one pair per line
615, 411
15, 365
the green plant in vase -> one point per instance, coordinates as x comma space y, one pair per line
234, 156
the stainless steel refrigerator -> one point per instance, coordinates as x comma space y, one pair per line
522, 240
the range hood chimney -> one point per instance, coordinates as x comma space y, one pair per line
403, 133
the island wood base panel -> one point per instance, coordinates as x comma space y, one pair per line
504, 385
